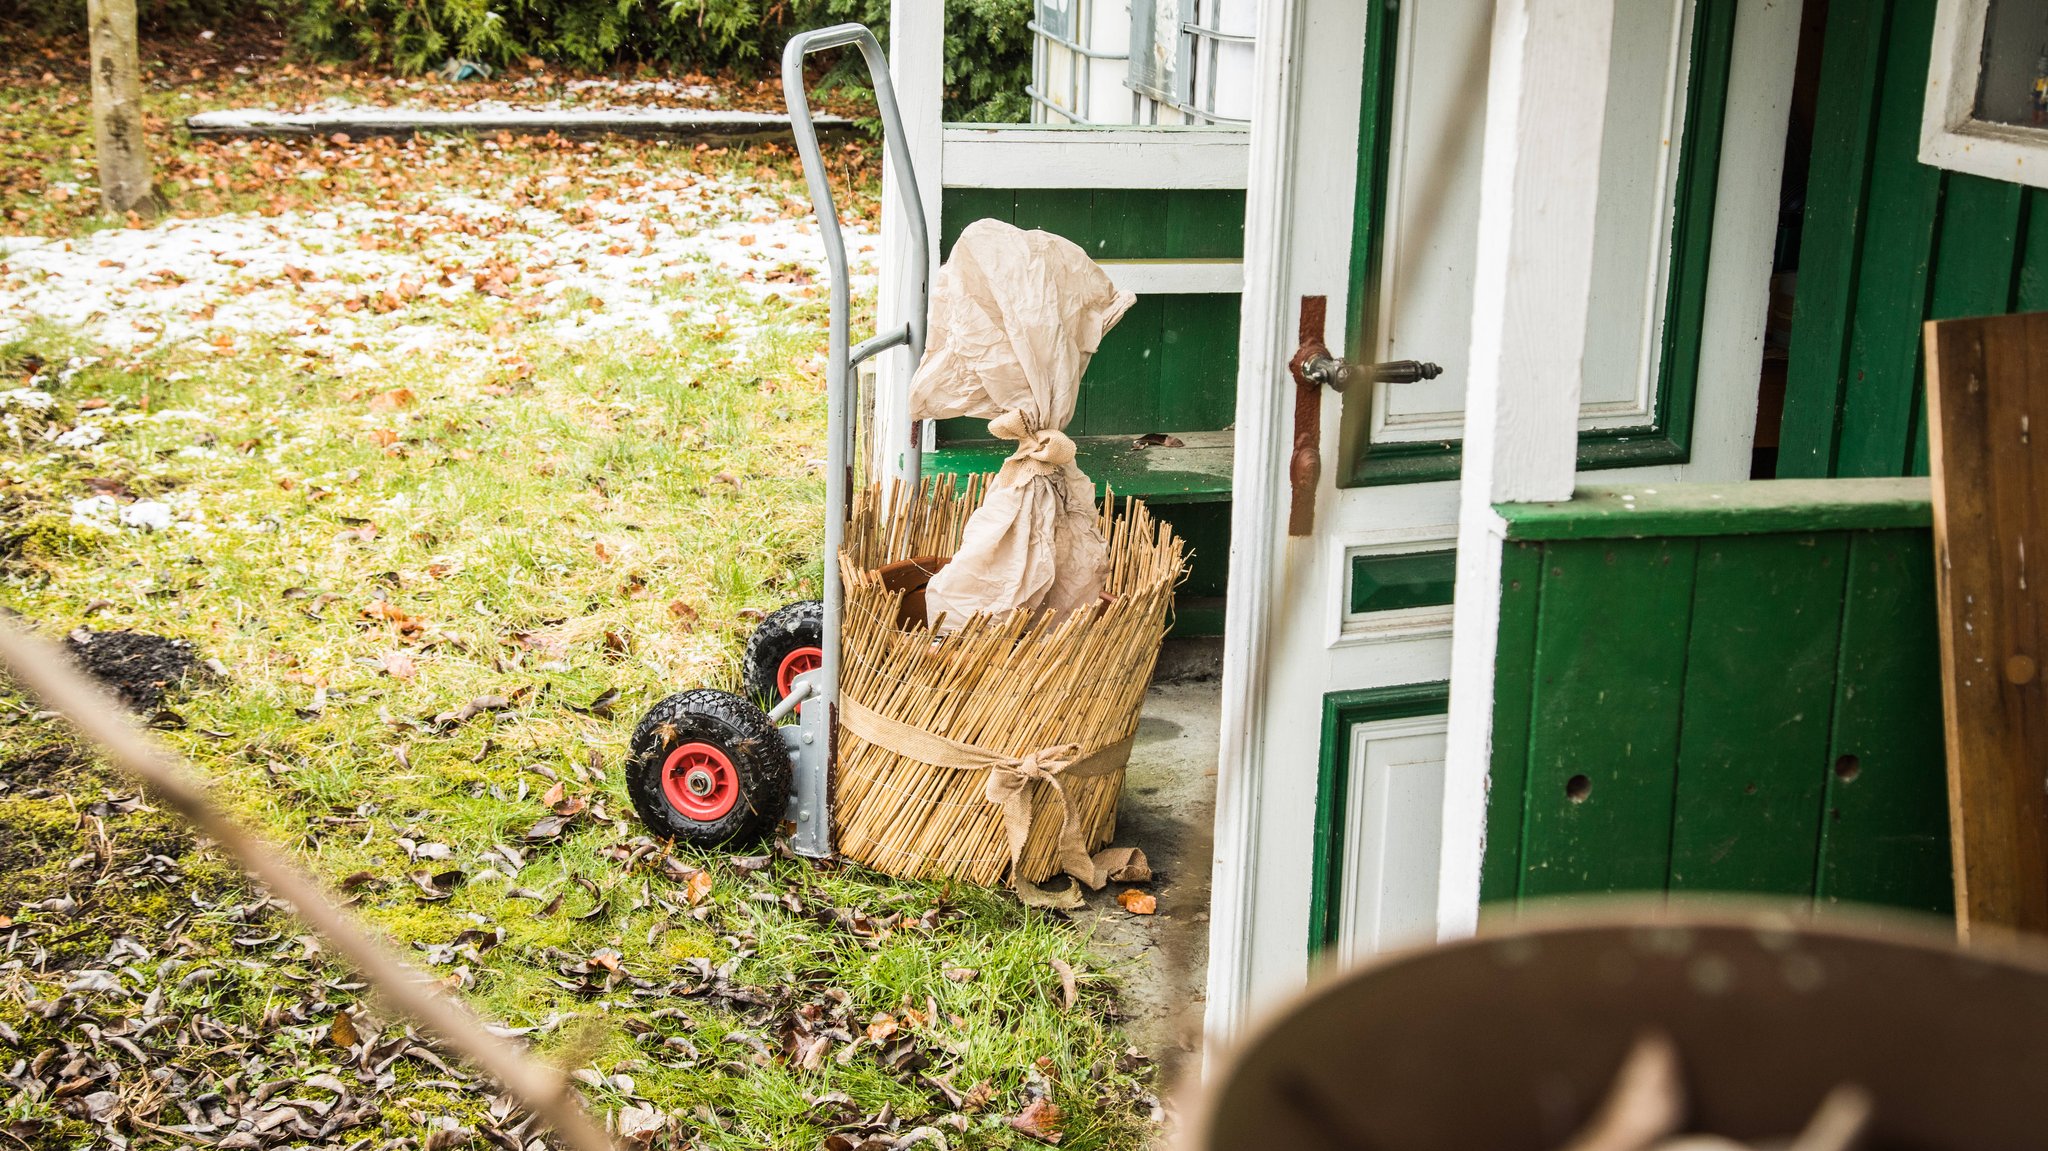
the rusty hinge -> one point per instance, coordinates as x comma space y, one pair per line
1305, 464
1313, 369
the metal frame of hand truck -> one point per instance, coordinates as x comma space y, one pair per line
813, 740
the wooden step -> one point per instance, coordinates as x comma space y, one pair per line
1196, 472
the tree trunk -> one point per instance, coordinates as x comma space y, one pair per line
117, 109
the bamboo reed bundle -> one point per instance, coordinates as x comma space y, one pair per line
1012, 684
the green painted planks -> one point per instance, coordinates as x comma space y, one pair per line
1889, 243
1521, 580
1759, 686
959, 207
1832, 237
1198, 364
1892, 285
1884, 830
1120, 389
2030, 291
1110, 223
1170, 365
1068, 212
1754, 507
1610, 660
1755, 713
1975, 274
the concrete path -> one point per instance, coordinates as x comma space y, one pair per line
1169, 810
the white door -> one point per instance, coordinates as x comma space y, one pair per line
1338, 642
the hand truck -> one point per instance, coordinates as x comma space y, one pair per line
710, 767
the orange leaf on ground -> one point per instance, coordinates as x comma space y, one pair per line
1137, 902
1040, 1119
697, 888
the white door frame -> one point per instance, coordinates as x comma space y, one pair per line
1538, 199
1247, 951
1303, 149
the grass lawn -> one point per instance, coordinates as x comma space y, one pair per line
385, 430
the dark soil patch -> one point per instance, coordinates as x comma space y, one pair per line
51, 766
139, 666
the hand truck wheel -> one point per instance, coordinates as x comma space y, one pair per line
789, 642
708, 768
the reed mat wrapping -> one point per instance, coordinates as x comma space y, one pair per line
1015, 685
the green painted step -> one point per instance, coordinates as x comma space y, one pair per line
1197, 472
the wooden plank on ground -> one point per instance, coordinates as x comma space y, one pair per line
651, 123
1988, 388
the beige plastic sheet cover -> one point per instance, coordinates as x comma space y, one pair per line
1015, 316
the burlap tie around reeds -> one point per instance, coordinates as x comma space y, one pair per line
998, 748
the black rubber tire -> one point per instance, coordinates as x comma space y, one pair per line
733, 726
787, 628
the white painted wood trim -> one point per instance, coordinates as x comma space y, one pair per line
1175, 277
1950, 134
1762, 61
917, 44
1258, 504
1538, 200
1377, 855
1047, 157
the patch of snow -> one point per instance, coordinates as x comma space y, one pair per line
95, 513
148, 515
28, 399
346, 285
82, 436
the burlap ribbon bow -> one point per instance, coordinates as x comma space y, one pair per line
1042, 451
1009, 784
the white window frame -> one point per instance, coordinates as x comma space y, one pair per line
1951, 135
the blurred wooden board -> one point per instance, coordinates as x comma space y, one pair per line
360, 123
1987, 385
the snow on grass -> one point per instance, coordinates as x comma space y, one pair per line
351, 281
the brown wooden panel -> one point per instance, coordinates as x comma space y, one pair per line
1987, 386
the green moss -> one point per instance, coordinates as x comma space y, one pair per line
44, 537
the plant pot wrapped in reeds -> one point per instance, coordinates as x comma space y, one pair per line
996, 640
994, 745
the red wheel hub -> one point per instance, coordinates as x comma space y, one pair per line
795, 664
700, 782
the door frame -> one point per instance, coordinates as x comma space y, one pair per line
1303, 165
1295, 171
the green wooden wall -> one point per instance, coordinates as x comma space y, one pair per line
1724, 705
1889, 242
1170, 365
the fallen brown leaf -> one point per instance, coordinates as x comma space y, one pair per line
1070, 991
343, 1032
1138, 902
1040, 1120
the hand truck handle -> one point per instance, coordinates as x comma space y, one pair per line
913, 330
